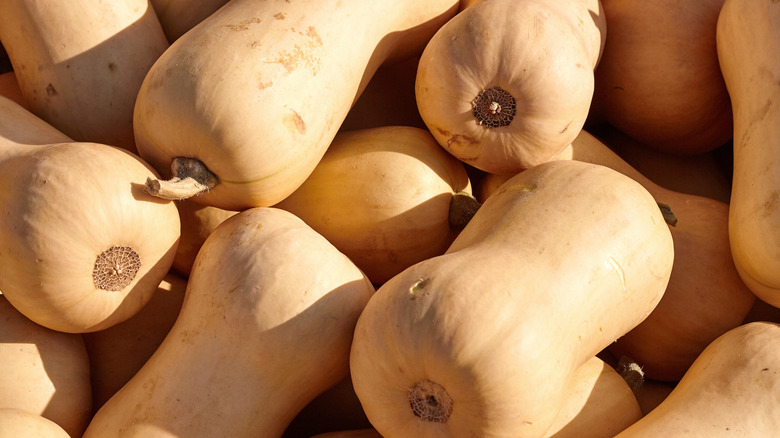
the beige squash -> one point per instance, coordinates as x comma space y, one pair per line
242, 107
485, 340
265, 327
705, 296
731, 390
748, 38
80, 63
16, 423
659, 80
43, 372
82, 245
387, 197
506, 84
118, 352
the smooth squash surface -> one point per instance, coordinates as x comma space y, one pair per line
462, 344
253, 95
748, 38
15, 423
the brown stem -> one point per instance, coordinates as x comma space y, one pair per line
668, 214
190, 177
632, 373
463, 207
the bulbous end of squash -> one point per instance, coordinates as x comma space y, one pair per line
115, 268
430, 401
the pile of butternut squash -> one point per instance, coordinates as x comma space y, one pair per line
346, 218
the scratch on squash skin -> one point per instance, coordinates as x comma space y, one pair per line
294, 122
613, 264
243, 25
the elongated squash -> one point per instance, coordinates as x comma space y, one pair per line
80, 63
387, 197
242, 107
731, 390
748, 42
265, 327
505, 85
43, 372
82, 246
705, 296
463, 345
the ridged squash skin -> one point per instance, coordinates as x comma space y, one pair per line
462, 344
42, 372
265, 327
505, 85
80, 64
257, 91
731, 390
748, 38
382, 196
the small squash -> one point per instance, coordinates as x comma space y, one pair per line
242, 107
82, 245
118, 352
748, 39
80, 63
659, 80
705, 296
265, 327
16, 423
43, 372
506, 84
732, 389
462, 344
387, 197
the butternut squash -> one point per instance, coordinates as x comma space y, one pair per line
118, 352
82, 246
15, 423
336, 409
178, 16
505, 85
462, 345
731, 390
9, 87
265, 327
748, 42
658, 80
80, 63
43, 372
705, 296
242, 107
197, 222
387, 197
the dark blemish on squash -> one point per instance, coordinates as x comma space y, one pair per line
311, 32
618, 88
294, 122
566, 127
112, 66
243, 25
50, 90
772, 203
443, 132
765, 369
460, 139
305, 53
280, 16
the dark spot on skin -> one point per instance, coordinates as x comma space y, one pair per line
566, 127
619, 88
50, 90
280, 16
112, 66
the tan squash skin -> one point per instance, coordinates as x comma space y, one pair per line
270, 304
658, 80
178, 16
748, 37
63, 205
197, 222
541, 52
9, 87
731, 390
82, 66
43, 372
382, 196
459, 329
705, 296
336, 409
598, 403
15, 423
118, 352
257, 91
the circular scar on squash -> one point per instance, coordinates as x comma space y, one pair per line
430, 401
494, 107
115, 268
